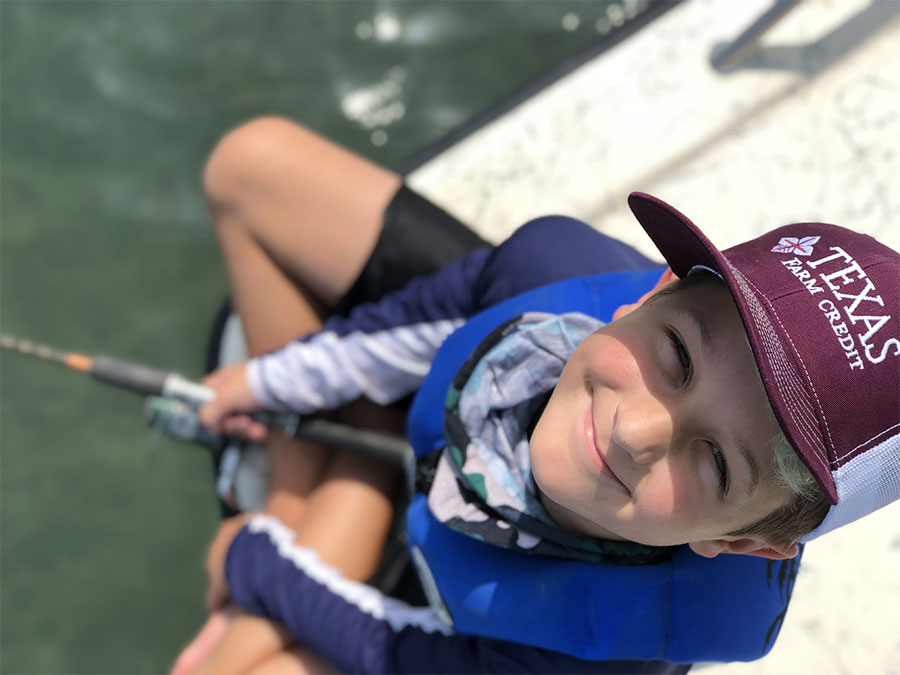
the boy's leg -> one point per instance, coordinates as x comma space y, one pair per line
294, 661
350, 511
293, 242
311, 212
246, 642
296, 218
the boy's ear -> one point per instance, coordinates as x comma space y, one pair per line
667, 278
713, 547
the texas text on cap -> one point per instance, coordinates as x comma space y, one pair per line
821, 306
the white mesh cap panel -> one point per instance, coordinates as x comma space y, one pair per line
864, 484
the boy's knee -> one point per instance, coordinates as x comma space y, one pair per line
241, 154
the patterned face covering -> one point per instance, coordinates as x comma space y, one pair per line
483, 485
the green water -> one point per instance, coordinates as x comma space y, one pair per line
107, 112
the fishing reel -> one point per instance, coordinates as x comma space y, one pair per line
241, 468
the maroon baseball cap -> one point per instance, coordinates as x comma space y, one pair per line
821, 307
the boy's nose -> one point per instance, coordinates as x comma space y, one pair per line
643, 429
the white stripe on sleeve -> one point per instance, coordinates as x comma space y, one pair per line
398, 615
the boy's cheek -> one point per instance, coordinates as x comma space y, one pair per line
658, 502
550, 469
546, 462
663, 503
668, 504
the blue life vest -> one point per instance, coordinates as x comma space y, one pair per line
684, 610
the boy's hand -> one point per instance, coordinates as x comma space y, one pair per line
227, 412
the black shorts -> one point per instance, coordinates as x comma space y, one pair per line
417, 238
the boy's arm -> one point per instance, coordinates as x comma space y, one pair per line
381, 350
358, 629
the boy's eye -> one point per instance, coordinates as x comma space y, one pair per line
684, 359
721, 467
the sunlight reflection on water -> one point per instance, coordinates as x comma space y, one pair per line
377, 106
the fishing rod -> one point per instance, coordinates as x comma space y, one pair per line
173, 400
117, 372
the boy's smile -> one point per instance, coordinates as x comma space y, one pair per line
658, 430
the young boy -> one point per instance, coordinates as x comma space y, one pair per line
659, 430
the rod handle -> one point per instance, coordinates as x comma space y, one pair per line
128, 375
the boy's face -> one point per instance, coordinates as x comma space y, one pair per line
657, 431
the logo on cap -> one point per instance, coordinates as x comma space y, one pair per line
795, 245
855, 310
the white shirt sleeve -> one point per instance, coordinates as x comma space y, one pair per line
327, 370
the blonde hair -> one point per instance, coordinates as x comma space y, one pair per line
791, 470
